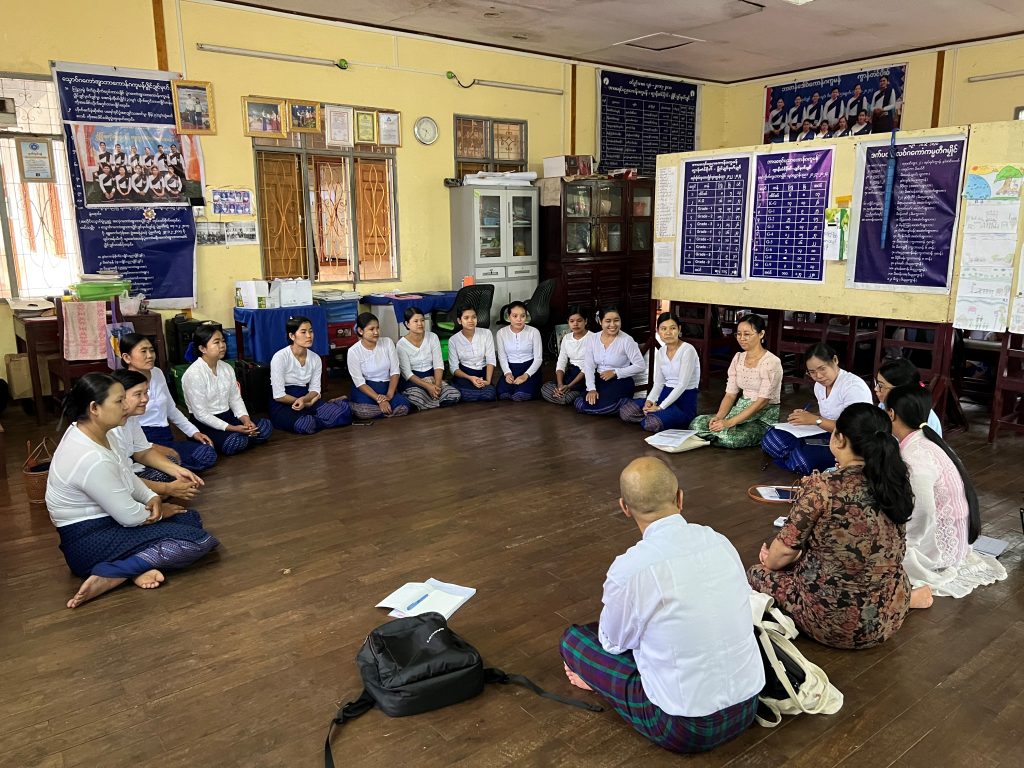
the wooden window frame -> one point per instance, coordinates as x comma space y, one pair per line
489, 161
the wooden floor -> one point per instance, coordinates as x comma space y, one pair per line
242, 659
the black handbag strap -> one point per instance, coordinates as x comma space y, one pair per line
350, 711
495, 675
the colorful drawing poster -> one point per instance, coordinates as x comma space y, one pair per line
994, 182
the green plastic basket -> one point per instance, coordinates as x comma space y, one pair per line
101, 290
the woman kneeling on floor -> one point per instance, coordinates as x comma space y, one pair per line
112, 527
836, 567
373, 367
611, 359
672, 401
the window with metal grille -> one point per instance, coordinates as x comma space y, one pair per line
39, 254
326, 213
489, 144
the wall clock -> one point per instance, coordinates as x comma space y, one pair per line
425, 130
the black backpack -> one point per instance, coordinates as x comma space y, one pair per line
418, 664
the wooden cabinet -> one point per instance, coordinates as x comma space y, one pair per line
598, 244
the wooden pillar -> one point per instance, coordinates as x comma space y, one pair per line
160, 34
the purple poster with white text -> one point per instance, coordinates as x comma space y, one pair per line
714, 212
791, 194
917, 252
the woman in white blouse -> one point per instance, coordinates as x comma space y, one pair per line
569, 381
672, 401
373, 367
295, 374
750, 406
211, 393
834, 389
947, 516
610, 361
112, 527
520, 353
421, 365
198, 454
471, 359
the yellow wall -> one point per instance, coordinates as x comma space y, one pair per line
988, 143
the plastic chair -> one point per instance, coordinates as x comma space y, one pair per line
479, 297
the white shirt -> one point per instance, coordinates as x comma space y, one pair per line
678, 599
476, 354
572, 351
679, 374
128, 440
161, 408
847, 389
377, 364
886, 100
87, 481
207, 394
523, 347
859, 129
285, 371
834, 109
622, 356
425, 357
855, 105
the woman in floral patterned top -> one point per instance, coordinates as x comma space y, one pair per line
836, 567
750, 406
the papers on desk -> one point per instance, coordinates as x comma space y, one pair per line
676, 440
989, 546
800, 430
430, 596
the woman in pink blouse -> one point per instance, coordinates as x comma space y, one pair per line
751, 403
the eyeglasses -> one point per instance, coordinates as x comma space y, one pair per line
746, 335
882, 384
819, 371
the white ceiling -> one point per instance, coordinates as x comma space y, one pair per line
741, 39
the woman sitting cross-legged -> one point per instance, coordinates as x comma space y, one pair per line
112, 527
834, 389
154, 467
756, 374
569, 381
471, 359
836, 567
295, 372
947, 516
672, 400
211, 393
197, 453
610, 361
373, 367
520, 352
422, 366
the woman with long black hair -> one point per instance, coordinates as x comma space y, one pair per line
836, 567
947, 516
112, 527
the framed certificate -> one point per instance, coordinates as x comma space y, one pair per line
35, 160
366, 126
338, 122
389, 129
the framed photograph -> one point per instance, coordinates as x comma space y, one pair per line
193, 106
303, 116
264, 117
389, 129
35, 160
339, 126
366, 126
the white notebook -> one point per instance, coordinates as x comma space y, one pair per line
432, 595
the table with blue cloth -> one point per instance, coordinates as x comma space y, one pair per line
392, 327
267, 332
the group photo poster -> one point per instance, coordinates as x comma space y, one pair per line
878, 93
145, 240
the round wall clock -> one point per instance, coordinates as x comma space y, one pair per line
425, 130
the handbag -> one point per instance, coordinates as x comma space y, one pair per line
793, 684
115, 332
417, 664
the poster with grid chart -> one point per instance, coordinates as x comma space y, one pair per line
791, 193
713, 214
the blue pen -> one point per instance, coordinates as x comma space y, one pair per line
417, 601
809, 405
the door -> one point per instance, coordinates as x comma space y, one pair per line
375, 245
279, 202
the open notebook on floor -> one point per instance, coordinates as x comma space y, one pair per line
989, 546
432, 595
676, 440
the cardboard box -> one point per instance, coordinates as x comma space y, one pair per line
291, 293
568, 165
253, 294
19, 375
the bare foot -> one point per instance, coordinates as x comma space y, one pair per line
149, 580
92, 587
921, 597
575, 679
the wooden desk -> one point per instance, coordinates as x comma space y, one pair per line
37, 336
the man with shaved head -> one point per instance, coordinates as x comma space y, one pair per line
674, 652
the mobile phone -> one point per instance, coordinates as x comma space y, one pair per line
780, 521
785, 494
775, 492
